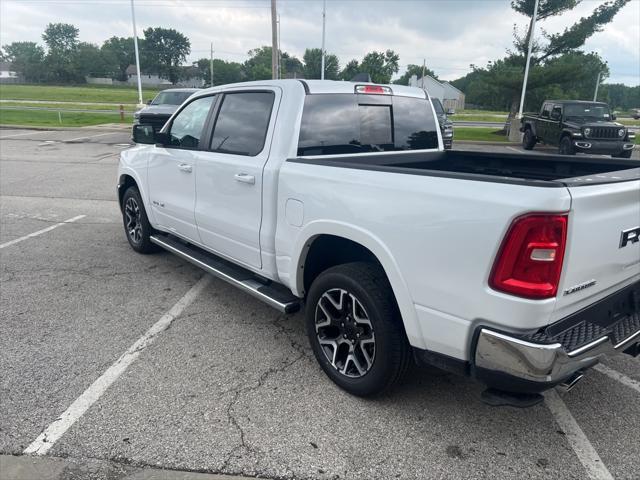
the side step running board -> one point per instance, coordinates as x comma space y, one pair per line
271, 293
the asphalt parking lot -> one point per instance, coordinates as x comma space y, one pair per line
230, 386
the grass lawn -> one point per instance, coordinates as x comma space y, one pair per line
50, 119
83, 93
481, 112
72, 106
478, 134
477, 118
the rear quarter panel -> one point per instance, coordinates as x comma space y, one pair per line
436, 238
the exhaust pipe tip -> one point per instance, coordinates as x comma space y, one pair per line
571, 382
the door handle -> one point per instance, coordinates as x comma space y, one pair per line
245, 178
185, 167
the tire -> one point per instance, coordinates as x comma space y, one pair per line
625, 154
528, 140
566, 147
136, 224
364, 350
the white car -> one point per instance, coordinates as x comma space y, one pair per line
337, 197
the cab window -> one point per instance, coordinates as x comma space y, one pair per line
546, 109
556, 113
187, 127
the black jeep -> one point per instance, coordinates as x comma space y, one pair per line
577, 126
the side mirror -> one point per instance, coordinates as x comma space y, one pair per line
451, 111
144, 134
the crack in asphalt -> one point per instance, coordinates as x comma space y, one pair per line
237, 393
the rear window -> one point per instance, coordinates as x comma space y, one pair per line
337, 124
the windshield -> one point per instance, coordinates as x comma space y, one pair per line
587, 110
171, 98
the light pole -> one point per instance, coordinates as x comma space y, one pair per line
274, 41
526, 68
595, 94
324, 17
135, 47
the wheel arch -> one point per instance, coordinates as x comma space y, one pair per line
124, 182
315, 251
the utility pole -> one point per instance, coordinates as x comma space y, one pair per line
279, 50
595, 94
424, 68
526, 68
274, 41
324, 21
211, 66
135, 47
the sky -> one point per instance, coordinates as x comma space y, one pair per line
449, 34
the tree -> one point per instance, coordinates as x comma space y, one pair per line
258, 66
223, 72
553, 45
90, 60
60, 37
350, 70
62, 41
26, 58
381, 66
120, 51
313, 63
165, 49
414, 70
291, 66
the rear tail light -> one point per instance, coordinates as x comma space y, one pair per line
529, 262
373, 90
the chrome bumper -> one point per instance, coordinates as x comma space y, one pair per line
534, 366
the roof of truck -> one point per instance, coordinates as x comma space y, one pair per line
573, 101
321, 86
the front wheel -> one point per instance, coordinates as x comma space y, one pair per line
136, 224
528, 140
355, 329
566, 147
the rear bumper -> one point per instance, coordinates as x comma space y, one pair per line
536, 362
602, 146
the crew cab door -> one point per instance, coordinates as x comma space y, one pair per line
172, 169
228, 208
554, 126
542, 125
603, 246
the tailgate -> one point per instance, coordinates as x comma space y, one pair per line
598, 249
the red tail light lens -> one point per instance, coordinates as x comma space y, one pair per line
529, 262
373, 90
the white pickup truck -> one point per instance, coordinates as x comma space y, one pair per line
520, 271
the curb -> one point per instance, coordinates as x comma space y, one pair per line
29, 467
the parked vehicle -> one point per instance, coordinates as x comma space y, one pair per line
160, 109
635, 113
577, 126
446, 126
519, 271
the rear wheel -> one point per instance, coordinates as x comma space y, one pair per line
136, 224
566, 147
625, 154
355, 329
528, 140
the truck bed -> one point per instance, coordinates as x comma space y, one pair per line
529, 169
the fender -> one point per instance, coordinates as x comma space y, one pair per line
133, 164
368, 240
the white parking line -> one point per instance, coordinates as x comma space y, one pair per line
55, 430
610, 372
40, 232
579, 442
